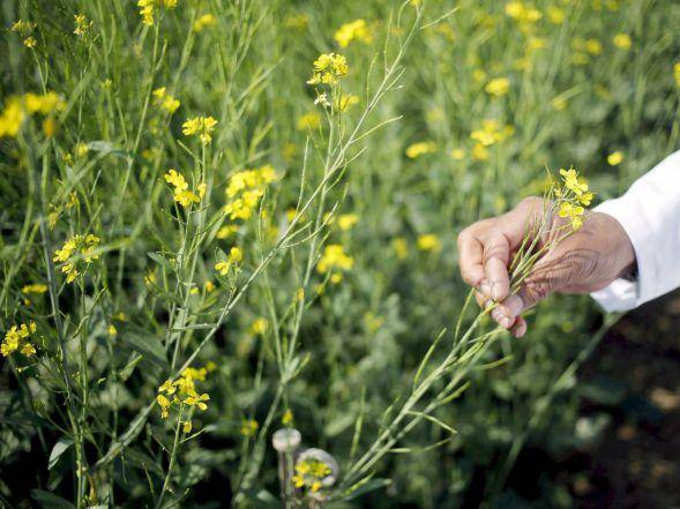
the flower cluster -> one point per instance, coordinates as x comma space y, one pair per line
245, 189
334, 257
147, 9
18, 108
181, 193
328, 69
183, 393
164, 100
203, 126
524, 14
309, 473
16, 338
82, 25
421, 148
204, 21
309, 121
355, 30
33, 289
25, 28
498, 87
249, 427
429, 242
491, 132
77, 251
573, 197
235, 256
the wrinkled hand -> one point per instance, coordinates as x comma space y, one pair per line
586, 261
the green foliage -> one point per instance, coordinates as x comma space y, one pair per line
346, 270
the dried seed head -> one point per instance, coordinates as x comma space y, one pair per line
286, 440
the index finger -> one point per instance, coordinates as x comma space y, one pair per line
471, 259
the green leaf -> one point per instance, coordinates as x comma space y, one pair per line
364, 486
51, 501
59, 448
149, 346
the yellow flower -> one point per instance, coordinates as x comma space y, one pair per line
85, 246
525, 15
287, 418
203, 21
355, 30
203, 126
259, 326
347, 221
11, 118
17, 338
555, 15
209, 287
334, 256
420, 148
429, 242
573, 212
198, 401
222, 268
498, 87
235, 256
164, 100
622, 41
309, 121
23, 27
457, 154
676, 73
593, 46
176, 180
186, 426
480, 152
615, 158
164, 403
345, 101
328, 69
30, 42
28, 350
249, 427
167, 387
82, 25
400, 247
34, 288
226, 231
112, 331
181, 193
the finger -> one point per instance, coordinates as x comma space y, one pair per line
501, 319
512, 306
471, 256
483, 300
496, 259
520, 328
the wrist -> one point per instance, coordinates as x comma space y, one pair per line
622, 248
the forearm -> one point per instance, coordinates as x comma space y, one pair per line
649, 213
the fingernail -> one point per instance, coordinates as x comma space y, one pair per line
497, 315
506, 322
485, 288
496, 292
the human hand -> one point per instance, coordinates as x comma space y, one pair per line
585, 261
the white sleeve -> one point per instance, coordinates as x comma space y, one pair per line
649, 213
